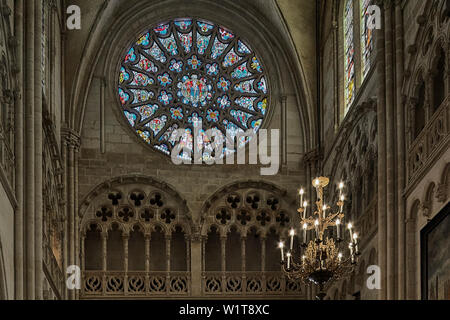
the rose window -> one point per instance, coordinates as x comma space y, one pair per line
187, 72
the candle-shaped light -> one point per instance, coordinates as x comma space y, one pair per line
324, 210
305, 228
281, 246
342, 198
305, 205
355, 241
301, 195
303, 260
292, 234
316, 224
350, 246
288, 255
316, 182
340, 257
341, 186
338, 228
350, 226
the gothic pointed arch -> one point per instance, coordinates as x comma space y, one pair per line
271, 42
129, 225
244, 221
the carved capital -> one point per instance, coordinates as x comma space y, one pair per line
71, 138
196, 237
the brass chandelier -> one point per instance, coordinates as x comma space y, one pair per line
322, 260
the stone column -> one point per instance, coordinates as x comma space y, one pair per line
64, 153
102, 115
147, 260
73, 143
76, 214
336, 74
401, 149
29, 155
83, 254
243, 264
168, 241
125, 238
19, 143
104, 258
263, 261
38, 136
188, 252
381, 128
284, 129
197, 264
223, 244
390, 154
411, 261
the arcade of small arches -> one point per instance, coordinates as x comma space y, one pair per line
136, 237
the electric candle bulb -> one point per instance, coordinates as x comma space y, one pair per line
342, 198
355, 239
338, 228
305, 204
301, 195
305, 227
341, 185
281, 246
340, 256
316, 223
350, 226
292, 233
316, 182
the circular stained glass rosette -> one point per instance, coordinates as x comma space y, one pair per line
190, 71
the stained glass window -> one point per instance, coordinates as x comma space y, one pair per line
349, 54
367, 41
190, 70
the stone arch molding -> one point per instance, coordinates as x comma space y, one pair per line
135, 200
248, 205
114, 29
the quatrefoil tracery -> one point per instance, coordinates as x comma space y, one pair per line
244, 217
223, 216
167, 216
282, 219
263, 218
147, 215
104, 213
126, 213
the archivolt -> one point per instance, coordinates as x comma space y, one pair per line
114, 27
